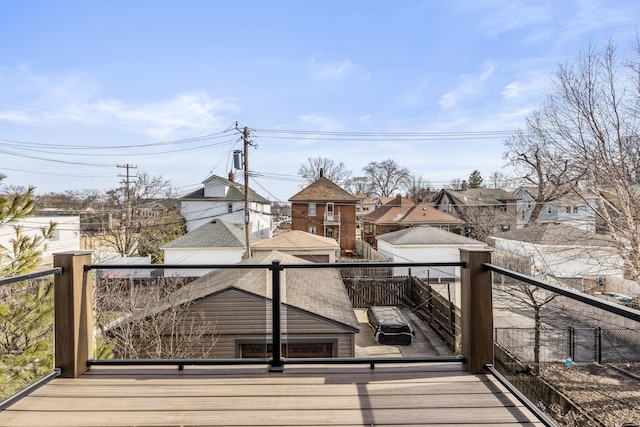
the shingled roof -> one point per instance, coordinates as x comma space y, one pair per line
215, 234
297, 239
234, 194
317, 292
478, 196
323, 190
556, 234
426, 235
406, 212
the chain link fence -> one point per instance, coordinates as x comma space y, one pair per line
585, 344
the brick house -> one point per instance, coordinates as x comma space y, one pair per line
325, 209
400, 213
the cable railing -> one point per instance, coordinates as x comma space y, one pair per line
277, 271
27, 341
75, 329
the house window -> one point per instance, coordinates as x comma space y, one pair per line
312, 230
329, 232
549, 209
329, 211
503, 207
505, 227
312, 209
230, 208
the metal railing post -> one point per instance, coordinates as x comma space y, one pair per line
276, 364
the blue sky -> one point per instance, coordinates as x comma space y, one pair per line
90, 85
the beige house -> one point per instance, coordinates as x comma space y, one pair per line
301, 244
318, 318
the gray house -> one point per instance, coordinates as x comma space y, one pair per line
318, 318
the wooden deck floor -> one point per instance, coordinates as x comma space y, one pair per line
303, 395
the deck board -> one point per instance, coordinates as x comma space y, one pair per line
423, 394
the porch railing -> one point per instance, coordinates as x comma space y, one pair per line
74, 307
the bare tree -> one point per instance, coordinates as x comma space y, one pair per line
386, 177
546, 171
455, 184
418, 188
151, 319
128, 200
359, 185
498, 179
590, 119
332, 170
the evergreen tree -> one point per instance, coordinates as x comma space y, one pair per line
26, 308
475, 179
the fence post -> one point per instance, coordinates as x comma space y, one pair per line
477, 310
73, 308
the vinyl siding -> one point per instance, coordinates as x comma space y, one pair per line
242, 317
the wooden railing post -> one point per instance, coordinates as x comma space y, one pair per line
73, 308
477, 310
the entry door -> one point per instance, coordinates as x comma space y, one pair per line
329, 211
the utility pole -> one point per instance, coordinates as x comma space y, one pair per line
129, 208
247, 219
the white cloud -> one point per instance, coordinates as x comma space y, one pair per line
331, 70
468, 85
322, 122
58, 100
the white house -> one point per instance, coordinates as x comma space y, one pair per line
562, 251
216, 242
222, 198
66, 235
426, 244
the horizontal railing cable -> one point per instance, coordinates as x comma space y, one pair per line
544, 419
611, 307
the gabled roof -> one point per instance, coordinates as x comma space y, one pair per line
572, 197
425, 235
318, 292
297, 239
214, 234
556, 234
323, 190
235, 193
407, 213
477, 196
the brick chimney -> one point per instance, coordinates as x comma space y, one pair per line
398, 200
321, 172
232, 176
464, 186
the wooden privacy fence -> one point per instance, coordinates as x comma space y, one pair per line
437, 310
366, 292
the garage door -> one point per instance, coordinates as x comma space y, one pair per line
291, 350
